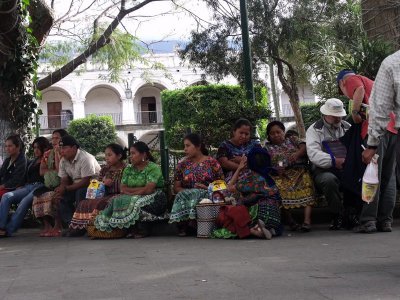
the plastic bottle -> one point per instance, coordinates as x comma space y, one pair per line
370, 182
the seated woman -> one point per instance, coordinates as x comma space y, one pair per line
141, 199
12, 172
192, 177
44, 201
294, 181
258, 193
230, 151
23, 196
110, 175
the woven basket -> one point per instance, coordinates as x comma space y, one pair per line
94, 233
206, 216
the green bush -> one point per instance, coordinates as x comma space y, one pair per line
210, 111
93, 133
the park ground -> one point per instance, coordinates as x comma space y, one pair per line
318, 265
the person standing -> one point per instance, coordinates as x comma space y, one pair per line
385, 99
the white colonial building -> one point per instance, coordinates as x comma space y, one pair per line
135, 103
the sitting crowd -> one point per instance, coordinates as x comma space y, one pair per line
263, 182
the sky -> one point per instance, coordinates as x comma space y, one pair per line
167, 22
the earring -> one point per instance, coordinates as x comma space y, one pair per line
143, 159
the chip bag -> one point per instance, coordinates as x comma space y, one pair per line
96, 189
217, 191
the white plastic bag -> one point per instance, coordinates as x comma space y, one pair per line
370, 182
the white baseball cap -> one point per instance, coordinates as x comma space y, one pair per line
333, 107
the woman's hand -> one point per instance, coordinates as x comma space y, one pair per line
200, 186
236, 159
294, 157
242, 163
107, 181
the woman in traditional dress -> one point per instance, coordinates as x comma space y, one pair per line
44, 202
258, 193
192, 177
294, 181
142, 198
23, 196
230, 151
110, 176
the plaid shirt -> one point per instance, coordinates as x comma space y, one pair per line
385, 98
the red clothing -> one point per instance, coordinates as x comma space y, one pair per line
352, 83
234, 218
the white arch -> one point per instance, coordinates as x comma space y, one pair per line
114, 87
139, 83
57, 88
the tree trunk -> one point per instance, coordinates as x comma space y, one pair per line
290, 88
381, 19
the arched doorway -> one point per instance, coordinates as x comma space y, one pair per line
104, 101
147, 104
57, 110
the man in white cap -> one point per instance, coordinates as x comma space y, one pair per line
327, 155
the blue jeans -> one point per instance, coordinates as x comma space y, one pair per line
24, 198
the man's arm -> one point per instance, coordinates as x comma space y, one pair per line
314, 150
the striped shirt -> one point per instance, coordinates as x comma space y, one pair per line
385, 98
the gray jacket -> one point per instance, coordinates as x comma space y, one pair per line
317, 133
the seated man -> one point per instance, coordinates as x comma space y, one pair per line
327, 155
77, 167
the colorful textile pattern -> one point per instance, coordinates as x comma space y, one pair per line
88, 208
255, 191
185, 202
229, 150
51, 179
139, 178
295, 186
45, 205
282, 152
189, 173
124, 211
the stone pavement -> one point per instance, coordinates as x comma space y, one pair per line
315, 265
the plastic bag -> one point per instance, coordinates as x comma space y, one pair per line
370, 181
217, 191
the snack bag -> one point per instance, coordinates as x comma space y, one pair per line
96, 189
370, 182
217, 191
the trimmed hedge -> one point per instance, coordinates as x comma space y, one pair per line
210, 110
93, 133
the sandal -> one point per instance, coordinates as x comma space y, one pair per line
53, 233
305, 227
265, 231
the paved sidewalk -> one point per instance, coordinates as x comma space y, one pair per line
315, 265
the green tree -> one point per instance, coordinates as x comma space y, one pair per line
210, 111
281, 30
93, 133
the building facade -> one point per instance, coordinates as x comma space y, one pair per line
135, 103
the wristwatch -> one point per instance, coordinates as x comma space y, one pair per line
372, 147
355, 112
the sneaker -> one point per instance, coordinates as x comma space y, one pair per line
367, 227
385, 227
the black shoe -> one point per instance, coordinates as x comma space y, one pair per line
385, 226
74, 233
337, 223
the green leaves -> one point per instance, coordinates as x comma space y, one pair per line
209, 110
93, 133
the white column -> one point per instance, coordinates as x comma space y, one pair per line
79, 108
128, 113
